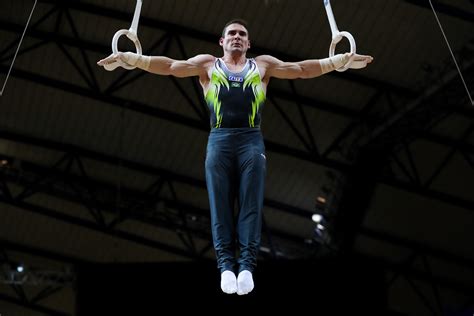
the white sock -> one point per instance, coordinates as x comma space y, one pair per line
228, 282
244, 282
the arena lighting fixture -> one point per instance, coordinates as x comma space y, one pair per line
321, 234
321, 200
317, 218
321, 223
3, 162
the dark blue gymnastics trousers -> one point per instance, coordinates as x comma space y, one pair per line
235, 168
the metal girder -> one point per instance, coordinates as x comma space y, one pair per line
45, 281
374, 150
128, 208
450, 199
200, 183
292, 97
38, 277
33, 208
447, 141
198, 124
82, 44
139, 167
91, 82
395, 132
414, 120
168, 115
435, 102
394, 240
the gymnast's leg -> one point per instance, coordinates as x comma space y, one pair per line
252, 165
219, 179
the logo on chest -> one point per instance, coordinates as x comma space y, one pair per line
236, 79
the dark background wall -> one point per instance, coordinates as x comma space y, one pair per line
332, 285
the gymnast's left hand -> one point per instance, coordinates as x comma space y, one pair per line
359, 61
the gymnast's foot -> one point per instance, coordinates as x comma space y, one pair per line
228, 282
244, 282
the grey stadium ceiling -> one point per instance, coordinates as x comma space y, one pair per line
108, 166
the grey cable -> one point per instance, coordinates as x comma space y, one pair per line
18, 48
452, 54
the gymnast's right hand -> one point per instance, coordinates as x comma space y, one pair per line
128, 58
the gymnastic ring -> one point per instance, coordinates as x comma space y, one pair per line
335, 40
133, 37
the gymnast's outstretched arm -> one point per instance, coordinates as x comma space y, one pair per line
161, 65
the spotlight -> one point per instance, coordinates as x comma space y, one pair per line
317, 218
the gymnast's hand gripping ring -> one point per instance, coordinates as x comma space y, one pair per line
131, 34
337, 37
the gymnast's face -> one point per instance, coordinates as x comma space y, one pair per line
236, 39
